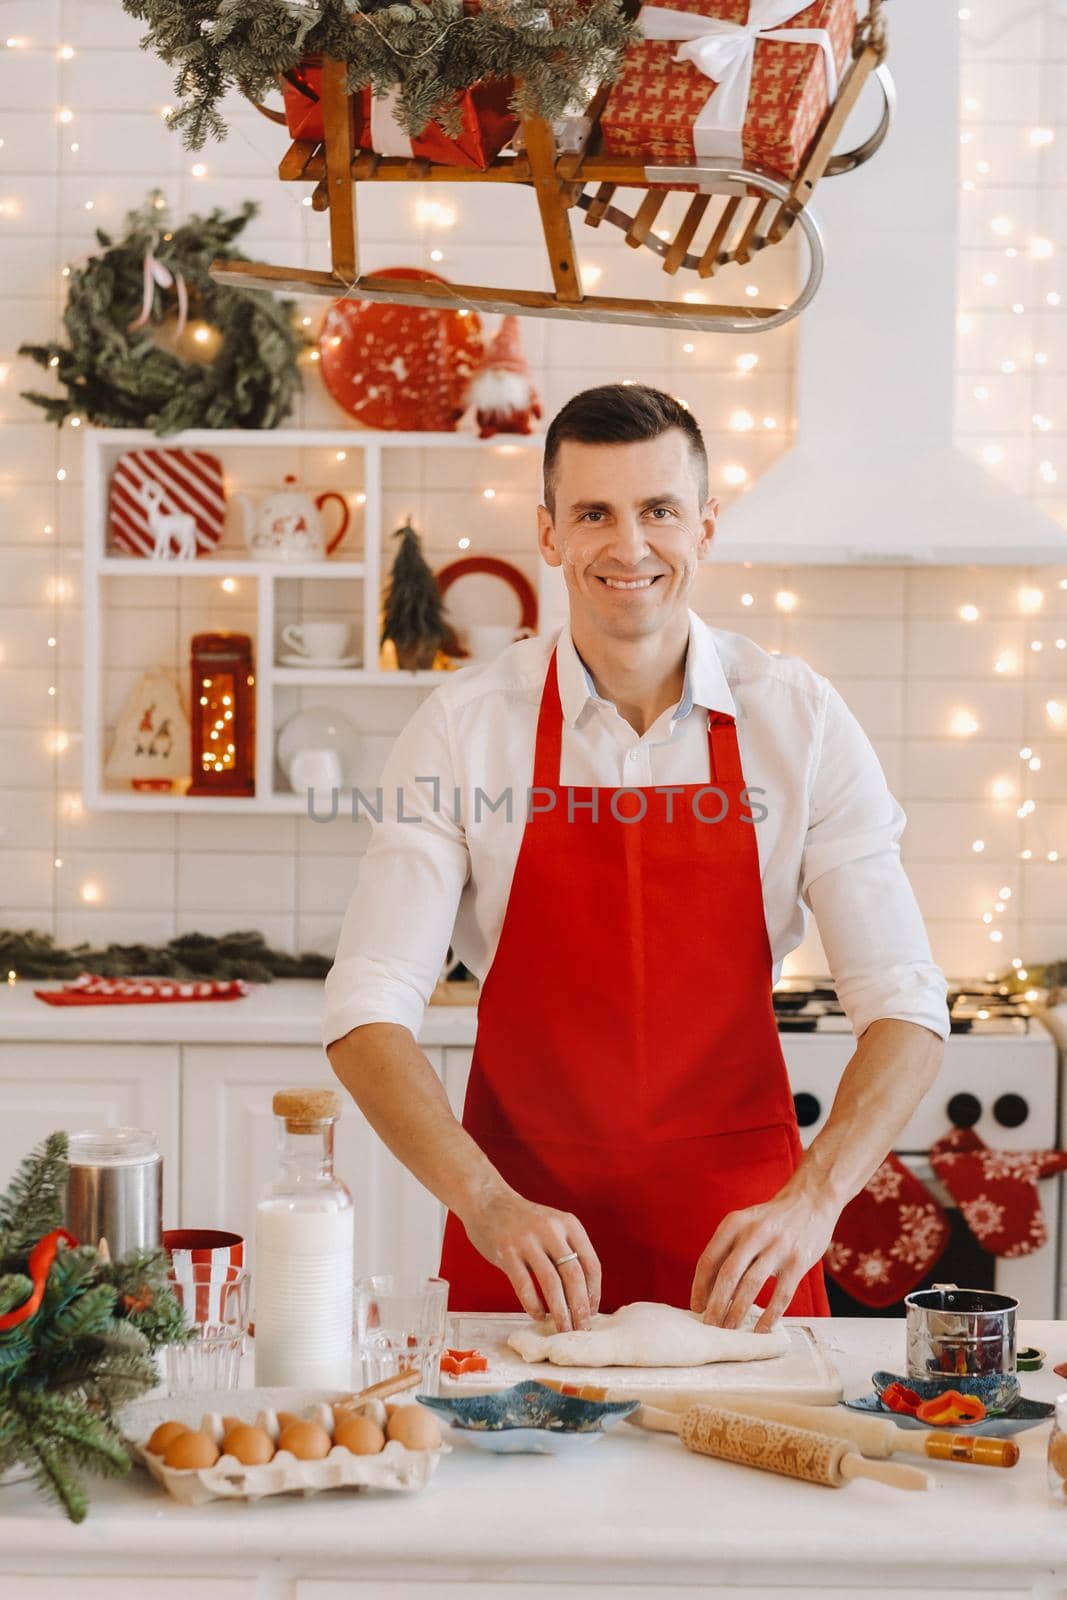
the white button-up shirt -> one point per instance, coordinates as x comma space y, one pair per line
440, 861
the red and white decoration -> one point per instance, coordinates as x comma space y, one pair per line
400, 367
894, 1232
887, 1238
91, 990
501, 391
996, 1190
166, 503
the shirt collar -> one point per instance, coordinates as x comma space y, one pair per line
704, 685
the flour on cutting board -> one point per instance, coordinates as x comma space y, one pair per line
804, 1372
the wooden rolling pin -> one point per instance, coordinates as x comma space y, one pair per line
871, 1436
774, 1447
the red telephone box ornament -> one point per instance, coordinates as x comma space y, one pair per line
223, 705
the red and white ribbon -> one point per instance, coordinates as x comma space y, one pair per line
156, 273
726, 52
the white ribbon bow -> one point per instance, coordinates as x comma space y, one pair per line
726, 52
156, 273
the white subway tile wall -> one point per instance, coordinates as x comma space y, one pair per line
948, 704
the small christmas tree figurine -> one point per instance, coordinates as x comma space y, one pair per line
77, 1332
414, 611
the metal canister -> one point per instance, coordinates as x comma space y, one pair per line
115, 1189
955, 1332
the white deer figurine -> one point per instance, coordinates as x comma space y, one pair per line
168, 527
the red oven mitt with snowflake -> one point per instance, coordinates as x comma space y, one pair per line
887, 1238
996, 1190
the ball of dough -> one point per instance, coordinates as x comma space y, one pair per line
190, 1452
163, 1435
305, 1440
414, 1427
361, 1435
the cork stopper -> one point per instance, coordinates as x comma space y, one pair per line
304, 1109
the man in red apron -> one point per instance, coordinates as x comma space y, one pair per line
629, 1130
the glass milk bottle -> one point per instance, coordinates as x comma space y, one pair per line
304, 1242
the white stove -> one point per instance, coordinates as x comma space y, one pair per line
1000, 1076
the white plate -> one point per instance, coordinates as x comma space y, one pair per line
318, 661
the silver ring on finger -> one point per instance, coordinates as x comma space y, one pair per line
562, 1260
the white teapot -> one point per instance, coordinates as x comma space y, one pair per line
288, 526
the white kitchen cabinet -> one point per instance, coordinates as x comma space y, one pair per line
228, 1157
49, 1086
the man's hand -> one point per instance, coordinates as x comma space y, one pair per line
526, 1241
783, 1238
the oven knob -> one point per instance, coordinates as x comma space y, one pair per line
964, 1110
808, 1109
1011, 1110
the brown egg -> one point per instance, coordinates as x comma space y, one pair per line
189, 1451
248, 1445
360, 1435
415, 1428
305, 1440
286, 1420
1057, 1454
163, 1436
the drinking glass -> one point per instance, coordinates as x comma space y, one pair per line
400, 1326
214, 1297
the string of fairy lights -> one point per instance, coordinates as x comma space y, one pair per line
1025, 285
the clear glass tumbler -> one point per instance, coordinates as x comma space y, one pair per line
400, 1325
215, 1299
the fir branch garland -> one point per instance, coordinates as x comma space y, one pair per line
122, 379
430, 49
30, 954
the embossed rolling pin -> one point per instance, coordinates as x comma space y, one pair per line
775, 1447
871, 1436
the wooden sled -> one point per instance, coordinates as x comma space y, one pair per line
739, 211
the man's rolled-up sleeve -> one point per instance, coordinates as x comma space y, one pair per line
854, 881
399, 921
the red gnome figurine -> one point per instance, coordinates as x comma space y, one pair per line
501, 392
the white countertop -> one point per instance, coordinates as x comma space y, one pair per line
288, 1011
635, 1509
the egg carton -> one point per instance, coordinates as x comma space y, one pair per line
395, 1467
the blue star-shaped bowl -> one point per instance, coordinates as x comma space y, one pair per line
529, 1418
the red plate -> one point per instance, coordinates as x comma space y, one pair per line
400, 367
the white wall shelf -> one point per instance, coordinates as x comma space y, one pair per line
277, 596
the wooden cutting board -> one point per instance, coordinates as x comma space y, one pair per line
805, 1373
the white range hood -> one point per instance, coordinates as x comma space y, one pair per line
874, 476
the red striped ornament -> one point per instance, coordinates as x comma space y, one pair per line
191, 482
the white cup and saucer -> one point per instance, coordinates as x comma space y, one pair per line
317, 644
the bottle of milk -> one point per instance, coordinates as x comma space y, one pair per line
304, 1243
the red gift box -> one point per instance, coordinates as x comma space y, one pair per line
653, 108
487, 123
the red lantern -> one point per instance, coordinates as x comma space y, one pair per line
223, 704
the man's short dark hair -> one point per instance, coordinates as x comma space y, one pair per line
621, 413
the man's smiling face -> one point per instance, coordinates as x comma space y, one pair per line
628, 531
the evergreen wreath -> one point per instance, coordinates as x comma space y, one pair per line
191, 955
77, 1333
431, 49
122, 379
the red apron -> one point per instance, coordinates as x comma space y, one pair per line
627, 1066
